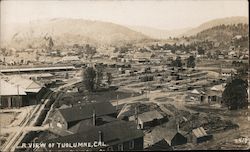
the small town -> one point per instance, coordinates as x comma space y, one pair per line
125, 91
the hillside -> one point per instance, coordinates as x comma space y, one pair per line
71, 31
224, 33
216, 22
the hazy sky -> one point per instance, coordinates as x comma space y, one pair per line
165, 14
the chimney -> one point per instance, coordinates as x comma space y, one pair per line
178, 127
94, 118
136, 118
100, 136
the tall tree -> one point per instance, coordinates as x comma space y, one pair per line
89, 77
242, 71
109, 75
191, 62
99, 76
201, 50
177, 62
235, 95
90, 51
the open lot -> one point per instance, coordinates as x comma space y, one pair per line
7, 118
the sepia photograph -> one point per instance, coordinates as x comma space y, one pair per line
124, 75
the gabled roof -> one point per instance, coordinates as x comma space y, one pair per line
27, 84
168, 131
149, 116
219, 87
7, 89
82, 112
85, 124
195, 91
112, 133
161, 145
199, 132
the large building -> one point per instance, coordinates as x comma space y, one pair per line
114, 136
19, 91
62, 118
11, 95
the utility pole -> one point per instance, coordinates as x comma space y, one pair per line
0, 89
18, 95
117, 97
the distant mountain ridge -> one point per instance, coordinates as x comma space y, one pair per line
71, 31
165, 34
159, 33
67, 31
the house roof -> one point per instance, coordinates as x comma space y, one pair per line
85, 124
148, 116
38, 69
112, 133
167, 134
86, 111
161, 145
195, 91
40, 75
199, 132
219, 87
167, 131
70, 58
7, 89
27, 84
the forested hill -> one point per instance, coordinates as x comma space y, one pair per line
225, 33
217, 22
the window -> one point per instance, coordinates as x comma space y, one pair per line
120, 147
131, 144
110, 148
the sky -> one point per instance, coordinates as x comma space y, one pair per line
162, 14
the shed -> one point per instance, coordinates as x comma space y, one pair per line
174, 137
161, 145
200, 135
171, 133
148, 119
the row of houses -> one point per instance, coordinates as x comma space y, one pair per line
210, 95
163, 131
93, 122
99, 122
